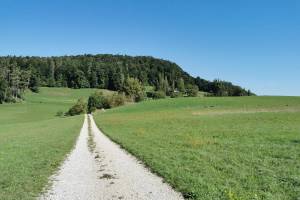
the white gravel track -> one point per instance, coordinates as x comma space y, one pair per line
105, 172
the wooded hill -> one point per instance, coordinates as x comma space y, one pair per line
100, 71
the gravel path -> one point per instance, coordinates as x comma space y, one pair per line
99, 169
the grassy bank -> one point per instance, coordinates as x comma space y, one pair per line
215, 148
33, 141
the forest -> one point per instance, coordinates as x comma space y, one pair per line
103, 71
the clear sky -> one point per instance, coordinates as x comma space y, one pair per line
252, 43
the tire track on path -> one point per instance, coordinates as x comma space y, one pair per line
98, 169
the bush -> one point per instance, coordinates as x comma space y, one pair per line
175, 94
156, 94
59, 113
91, 109
91, 106
139, 97
134, 89
35, 89
117, 100
10, 99
97, 101
78, 108
34, 83
192, 90
207, 94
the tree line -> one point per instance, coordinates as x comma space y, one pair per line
14, 81
102, 71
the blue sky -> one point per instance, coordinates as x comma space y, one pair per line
255, 44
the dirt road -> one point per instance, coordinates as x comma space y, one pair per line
99, 169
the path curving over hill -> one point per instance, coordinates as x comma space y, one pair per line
99, 169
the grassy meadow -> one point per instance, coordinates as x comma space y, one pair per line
34, 141
215, 148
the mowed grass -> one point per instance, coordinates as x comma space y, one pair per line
34, 141
215, 148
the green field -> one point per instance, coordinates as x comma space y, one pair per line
207, 148
215, 148
34, 141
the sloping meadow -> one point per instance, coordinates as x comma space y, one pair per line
215, 148
34, 141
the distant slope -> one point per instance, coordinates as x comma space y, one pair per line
109, 71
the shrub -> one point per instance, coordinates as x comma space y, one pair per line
34, 83
10, 99
175, 94
140, 97
97, 101
78, 108
35, 89
91, 109
207, 94
91, 104
192, 90
117, 100
59, 113
156, 94
134, 89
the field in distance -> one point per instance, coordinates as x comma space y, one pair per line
215, 148
34, 141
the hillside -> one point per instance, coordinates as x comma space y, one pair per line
34, 141
215, 148
101, 71
206, 148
